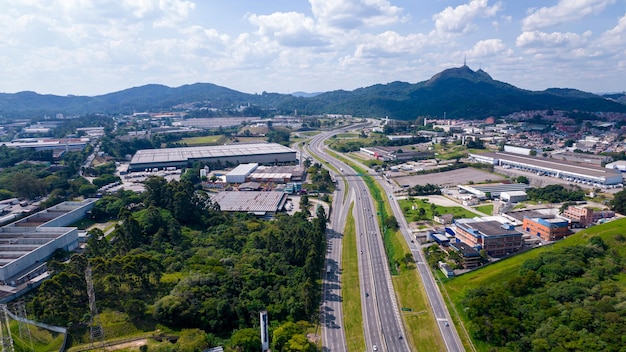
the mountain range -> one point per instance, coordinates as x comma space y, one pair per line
456, 92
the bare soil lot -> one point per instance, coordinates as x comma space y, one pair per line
450, 178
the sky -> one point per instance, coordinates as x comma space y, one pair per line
93, 47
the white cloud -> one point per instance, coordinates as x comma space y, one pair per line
350, 14
614, 37
488, 47
390, 44
459, 19
550, 40
288, 29
564, 11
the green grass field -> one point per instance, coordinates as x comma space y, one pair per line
413, 214
35, 339
350, 293
347, 136
203, 140
485, 209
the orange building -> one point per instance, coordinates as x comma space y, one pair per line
580, 216
547, 229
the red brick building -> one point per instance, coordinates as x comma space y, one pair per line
546, 229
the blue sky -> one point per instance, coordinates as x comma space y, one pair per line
91, 47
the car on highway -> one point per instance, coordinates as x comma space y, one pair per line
375, 348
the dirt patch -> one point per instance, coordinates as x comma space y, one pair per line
131, 344
313, 337
450, 178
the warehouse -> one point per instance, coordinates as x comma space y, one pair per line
27, 243
262, 153
575, 173
493, 190
240, 173
513, 196
264, 204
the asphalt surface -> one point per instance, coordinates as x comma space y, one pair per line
440, 310
383, 324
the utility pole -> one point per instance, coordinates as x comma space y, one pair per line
5, 330
95, 325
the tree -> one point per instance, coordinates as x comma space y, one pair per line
87, 190
284, 333
391, 222
246, 340
304, 204
618, 203
299, 343
192, 340
522, 179
135, 308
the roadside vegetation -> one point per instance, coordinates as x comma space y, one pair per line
350, 288
177, 262
417, 209
568, 296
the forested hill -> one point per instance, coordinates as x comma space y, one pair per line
458, 92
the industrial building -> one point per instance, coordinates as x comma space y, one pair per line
578, 216
470, 257
259, 203
262, 153
575, 173
64, 144
240, 173
552, 229
27, 243
392, 154
513, 196
583, 216
496, 238
493, 190
279, 174
617, 165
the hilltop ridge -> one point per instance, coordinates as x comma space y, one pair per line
460, 92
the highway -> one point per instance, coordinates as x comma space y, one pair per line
440, 310
383, 325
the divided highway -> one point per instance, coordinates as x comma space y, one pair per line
383, 326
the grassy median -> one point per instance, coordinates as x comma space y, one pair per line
350, 288
419, 321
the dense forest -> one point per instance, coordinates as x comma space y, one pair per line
175, 259
28, 174
555, 194
567, 299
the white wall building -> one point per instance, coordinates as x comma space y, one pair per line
239, 174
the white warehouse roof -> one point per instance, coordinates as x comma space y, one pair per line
187, 155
